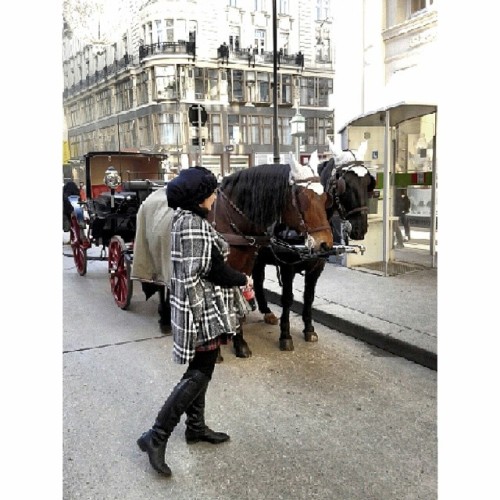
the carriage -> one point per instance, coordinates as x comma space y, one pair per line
116, 185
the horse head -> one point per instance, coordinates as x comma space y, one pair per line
349, 182
308, 211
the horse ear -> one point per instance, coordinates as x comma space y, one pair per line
372, 183
314, 162
297, 171
360, 153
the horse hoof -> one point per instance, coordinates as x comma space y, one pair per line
286, 345
243, 353
219, 359
165, 329
311, 336
270, 319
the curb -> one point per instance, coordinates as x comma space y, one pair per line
387, 343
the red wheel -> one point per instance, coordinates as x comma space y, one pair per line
119, 272
79, 245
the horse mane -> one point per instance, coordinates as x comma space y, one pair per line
260, 192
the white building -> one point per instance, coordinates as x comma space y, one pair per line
386, 93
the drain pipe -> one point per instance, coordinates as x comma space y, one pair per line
387, 194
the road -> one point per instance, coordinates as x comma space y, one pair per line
336, 419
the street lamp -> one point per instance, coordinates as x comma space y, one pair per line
298, 130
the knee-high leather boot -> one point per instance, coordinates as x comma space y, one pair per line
154, 441
196, 430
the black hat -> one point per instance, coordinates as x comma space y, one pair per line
191, 187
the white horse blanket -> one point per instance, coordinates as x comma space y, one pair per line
152, 245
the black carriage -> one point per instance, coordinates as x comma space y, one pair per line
116, 185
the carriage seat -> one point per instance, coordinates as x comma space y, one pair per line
102, 204
143, 188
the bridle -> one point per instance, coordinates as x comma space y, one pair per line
336, 186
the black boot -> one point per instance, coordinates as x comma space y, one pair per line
196, 430
154, 441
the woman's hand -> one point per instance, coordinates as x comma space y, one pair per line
249, 282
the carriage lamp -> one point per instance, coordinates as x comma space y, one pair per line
112, 178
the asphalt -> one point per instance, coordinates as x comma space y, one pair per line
396, 313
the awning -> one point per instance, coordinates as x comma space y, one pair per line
399, 112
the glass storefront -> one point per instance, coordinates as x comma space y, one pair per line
404, 225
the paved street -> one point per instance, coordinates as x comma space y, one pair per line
333, 420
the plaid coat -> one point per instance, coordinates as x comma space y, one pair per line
200, 310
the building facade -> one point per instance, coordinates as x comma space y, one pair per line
386, 95
194, 80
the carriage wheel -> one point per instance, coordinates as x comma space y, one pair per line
78, 245
119, 266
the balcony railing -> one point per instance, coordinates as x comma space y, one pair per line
252, 57
109, 70
180, 47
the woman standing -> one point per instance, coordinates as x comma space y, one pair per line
205, 304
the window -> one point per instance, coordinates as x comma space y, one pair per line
168, 128
145, 132
233, 126
418, 5
103, 103
169, 23
262, 88
124, 95
286, 89
260, 41
267, 130
260, 5
212, 84
142, 87
234, 38
214, 128
283, 7
236, 86
233, 3
322, 9
199, 83
284, 131
160, 36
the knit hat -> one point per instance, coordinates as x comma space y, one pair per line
191, 187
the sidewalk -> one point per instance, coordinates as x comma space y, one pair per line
395, 313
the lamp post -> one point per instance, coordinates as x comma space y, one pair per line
276, 144
298, 130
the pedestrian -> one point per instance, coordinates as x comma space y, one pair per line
402, 210
83, 195
69, 189
206, 303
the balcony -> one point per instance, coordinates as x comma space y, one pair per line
181, 47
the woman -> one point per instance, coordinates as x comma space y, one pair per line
205, 305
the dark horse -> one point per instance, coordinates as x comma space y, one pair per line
249, 203
349, 184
